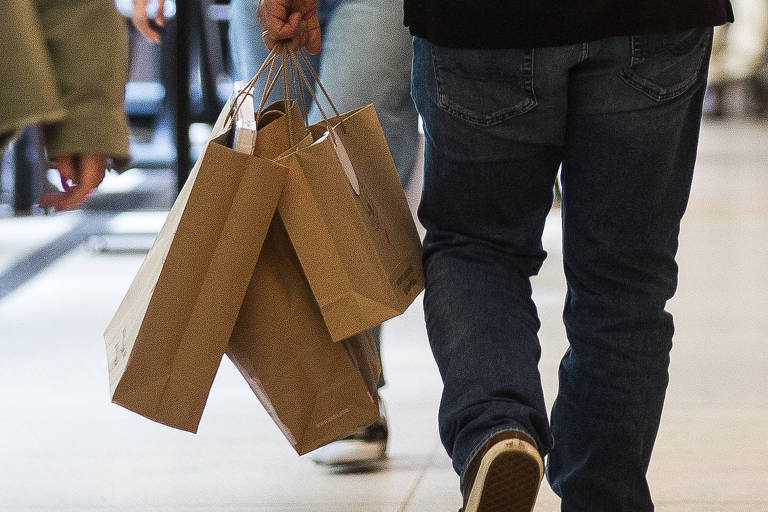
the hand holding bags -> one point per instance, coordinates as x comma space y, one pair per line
274, 291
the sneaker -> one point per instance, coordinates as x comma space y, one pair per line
362, 447
504, 476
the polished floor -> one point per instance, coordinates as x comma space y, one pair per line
65, 448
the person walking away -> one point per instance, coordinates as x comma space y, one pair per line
508, 92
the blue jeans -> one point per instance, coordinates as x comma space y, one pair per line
366, 58
622, 116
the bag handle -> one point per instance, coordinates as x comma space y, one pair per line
296, 64
272, 77
341, 153
291, 71
240, 98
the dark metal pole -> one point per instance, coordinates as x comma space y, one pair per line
182, 106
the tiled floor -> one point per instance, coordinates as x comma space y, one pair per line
64, 447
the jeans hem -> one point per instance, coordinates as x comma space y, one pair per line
511, 427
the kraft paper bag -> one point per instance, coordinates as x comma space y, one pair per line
317, 391
346, 214
167, 338
276, 133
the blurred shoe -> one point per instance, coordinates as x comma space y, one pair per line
364, 446
504, 476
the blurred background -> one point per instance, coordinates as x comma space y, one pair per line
64, 447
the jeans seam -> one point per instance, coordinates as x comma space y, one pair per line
530, 61
637, 51
584, 52
433, 58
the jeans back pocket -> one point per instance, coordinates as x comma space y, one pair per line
666, 65
484, 87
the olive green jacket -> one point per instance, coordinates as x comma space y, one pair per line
64, 63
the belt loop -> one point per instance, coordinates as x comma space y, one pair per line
637, 50
584, 52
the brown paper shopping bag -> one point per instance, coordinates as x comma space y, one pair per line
166, 340
349, 222
279, 131
344, 209
317, 391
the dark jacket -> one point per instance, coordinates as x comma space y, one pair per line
542, 23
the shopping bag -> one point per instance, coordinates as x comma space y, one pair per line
281, 126
168, 336
316, 391
346, 214
343, 207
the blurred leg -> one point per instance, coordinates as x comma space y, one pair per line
247, 47
367, 59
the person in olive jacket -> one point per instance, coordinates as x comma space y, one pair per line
64, 65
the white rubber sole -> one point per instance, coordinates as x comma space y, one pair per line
508, 478
346, 452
